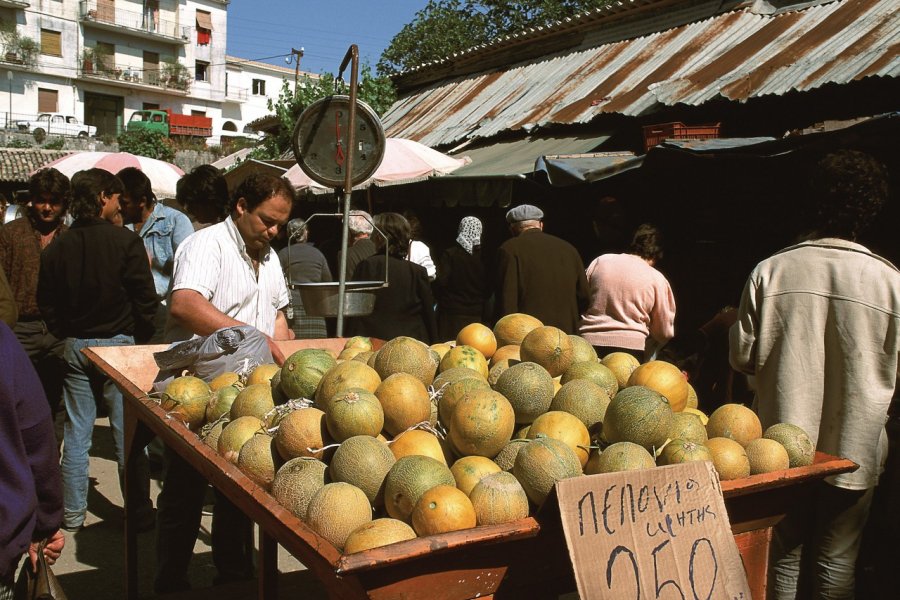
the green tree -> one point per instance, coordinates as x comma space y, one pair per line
377, 92
144, 142
445, 27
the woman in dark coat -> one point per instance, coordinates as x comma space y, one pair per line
406, 305
461, 286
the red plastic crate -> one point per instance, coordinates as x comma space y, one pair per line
655, 134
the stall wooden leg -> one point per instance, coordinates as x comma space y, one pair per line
754, 549
268, 566
137, 436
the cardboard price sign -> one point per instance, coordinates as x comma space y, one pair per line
656, 533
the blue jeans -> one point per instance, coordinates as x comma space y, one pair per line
83, 388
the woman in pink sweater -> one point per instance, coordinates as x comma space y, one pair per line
632, 308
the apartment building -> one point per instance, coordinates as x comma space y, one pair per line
249, 85
101, 60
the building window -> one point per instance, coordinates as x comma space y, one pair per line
48, 100
201, 71
150, 106
51, 42
204, 28
259, 87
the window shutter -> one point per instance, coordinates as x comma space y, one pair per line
48, 100
204, 20
51, 42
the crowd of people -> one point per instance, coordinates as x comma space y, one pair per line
817, 331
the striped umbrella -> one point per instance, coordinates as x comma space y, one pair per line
163, 176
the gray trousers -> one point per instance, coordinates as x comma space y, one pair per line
46, 354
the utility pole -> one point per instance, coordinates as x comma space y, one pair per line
297, 55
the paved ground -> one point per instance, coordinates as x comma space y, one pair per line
92, 564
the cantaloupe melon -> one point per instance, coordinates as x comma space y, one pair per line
442, 349
543, 462
512, 328
469, 470
729, 458
406, 355
735, 422
302, 432
225, 379
378, 533
697, 413
505, 353
185, 399
584, 399
499, 498
692, 400
529, 389
358, 341
766, 456
302, 371
364, 462
680, 451
549, 347
593, 371
688, 427
405, 401
582, 350
482, 423
297, 481
465, 356
235, 434
211, 432
456, 391
445, 378
343, 376
622, 364
665, 378
263, 373
566, 428
408, 479
507, 456
254, 400
354, 412
337, 510
800, 448
256, 459
640, 415
442, 509
621, 456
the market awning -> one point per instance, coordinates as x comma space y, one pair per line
571, 169
204, 20
515, 158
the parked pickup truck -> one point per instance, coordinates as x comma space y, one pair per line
171, 124
56, 124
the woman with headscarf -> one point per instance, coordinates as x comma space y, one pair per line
461, 286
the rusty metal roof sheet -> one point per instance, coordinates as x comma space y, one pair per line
738, 55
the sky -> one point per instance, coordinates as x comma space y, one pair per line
325, 29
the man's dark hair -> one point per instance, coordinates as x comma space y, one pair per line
396, 228
259, 187
137, 185
86, 189
647, 242
415, 225
50, 181
203, 190
847, 190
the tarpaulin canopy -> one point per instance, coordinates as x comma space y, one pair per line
571, 169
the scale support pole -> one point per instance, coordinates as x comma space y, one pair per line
353, 57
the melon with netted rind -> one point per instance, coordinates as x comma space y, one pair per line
257, 459
529, 389
337, 510
408, 479
499, 498
297, 481
543, 462
303, 370
799, 446
640, 415
621, 456
185, 399
378, 533
364, 462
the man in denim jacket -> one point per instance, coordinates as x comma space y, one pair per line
161, 228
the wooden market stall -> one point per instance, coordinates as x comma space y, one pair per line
523, 559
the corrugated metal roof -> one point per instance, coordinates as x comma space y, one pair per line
738, 55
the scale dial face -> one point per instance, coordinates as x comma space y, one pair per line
320, 141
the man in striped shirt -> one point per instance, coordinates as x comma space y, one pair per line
225, 274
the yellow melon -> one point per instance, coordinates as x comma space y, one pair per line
441, 349
358, 341
506, 352
469, 470
688, 427
354, 412
507, 456
680, 451
499, 498
442, 509
478, 336
185, 399
255, 400
482, 423
257, 459
454, 393
405, 402
549, 347
512, 328
566, 428
342, 377
735, 422
406, 355
421, 443
665, 378
584, 399
697, 413
767, 455
692, 400
378, 533
465, 356
408, 479
622, 364
263, 373
729, 458
223, 380
302, 432
337, 510
236, 434
582, 350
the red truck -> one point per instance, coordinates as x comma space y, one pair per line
171, 124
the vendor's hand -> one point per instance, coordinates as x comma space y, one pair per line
277, 354
52, 550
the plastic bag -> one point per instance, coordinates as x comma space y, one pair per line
238, 349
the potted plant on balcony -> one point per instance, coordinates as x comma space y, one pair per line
87, 61
17, 48
174, 74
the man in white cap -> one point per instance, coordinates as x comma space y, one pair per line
540, 274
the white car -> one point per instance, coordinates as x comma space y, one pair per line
56, 124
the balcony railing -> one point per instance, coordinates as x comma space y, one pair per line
15, 3
126, 75
236, 94
144, 23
